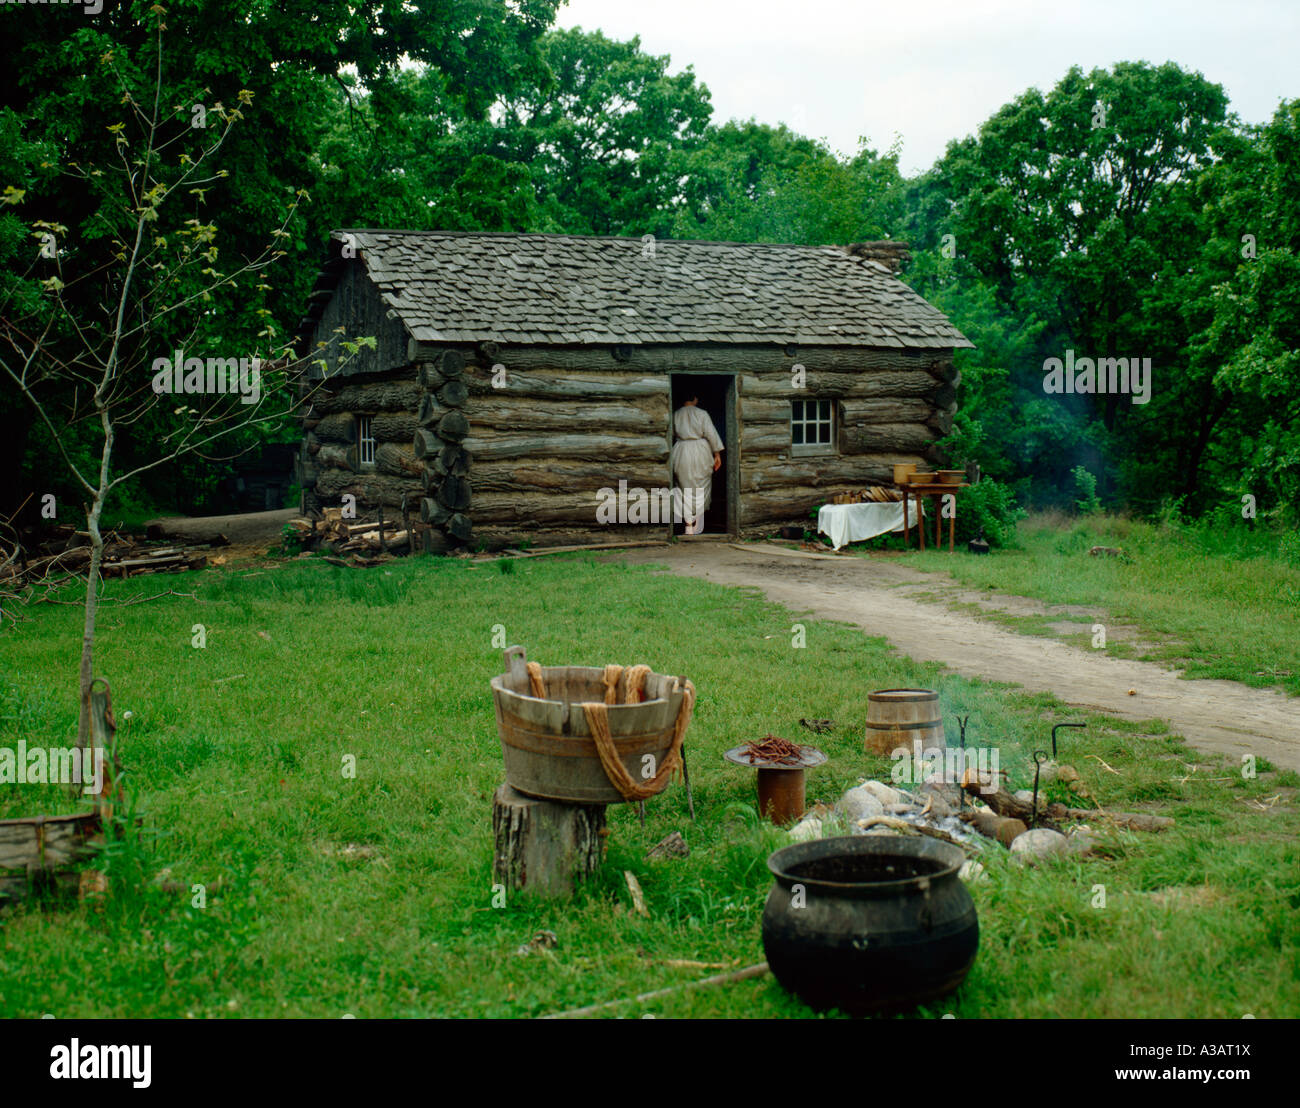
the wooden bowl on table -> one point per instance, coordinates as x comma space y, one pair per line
952, 476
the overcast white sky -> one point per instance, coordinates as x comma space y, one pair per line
933, 70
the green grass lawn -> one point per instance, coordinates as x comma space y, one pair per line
372, 895
1215, 603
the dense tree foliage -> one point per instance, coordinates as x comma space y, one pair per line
296, 78
1113, 218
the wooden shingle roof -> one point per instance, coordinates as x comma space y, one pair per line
568, 289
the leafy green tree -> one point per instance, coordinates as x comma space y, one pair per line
753, 183
338, 72
604, 136
1075, 209
87, 372
1248, 340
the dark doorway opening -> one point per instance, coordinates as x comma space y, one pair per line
716, 393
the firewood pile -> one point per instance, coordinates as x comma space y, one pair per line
361, 538
875, 494
36, 554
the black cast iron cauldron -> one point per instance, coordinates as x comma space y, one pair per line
871, 923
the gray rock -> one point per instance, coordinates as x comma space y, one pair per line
1027, 797
1048, 771
1039, 843
882, 792
859, 804
806, 830
950, 793
1081, 842
674, 846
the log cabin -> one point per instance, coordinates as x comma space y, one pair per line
515, 381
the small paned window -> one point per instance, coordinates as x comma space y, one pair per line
365, 441
812, 426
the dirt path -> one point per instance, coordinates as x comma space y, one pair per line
880, 596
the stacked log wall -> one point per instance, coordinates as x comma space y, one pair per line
890, 407
549, 430
521, 440
329, 466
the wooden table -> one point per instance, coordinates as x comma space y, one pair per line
937, 490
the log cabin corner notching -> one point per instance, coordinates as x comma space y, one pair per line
515, 379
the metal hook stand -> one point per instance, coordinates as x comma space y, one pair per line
1057, 728
961, 792
1040, 756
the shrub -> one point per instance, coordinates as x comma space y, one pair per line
991, 506
1085, 485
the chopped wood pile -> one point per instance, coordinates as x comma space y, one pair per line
364, 539
874, 494
43, 553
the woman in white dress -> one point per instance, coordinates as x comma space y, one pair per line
697, 453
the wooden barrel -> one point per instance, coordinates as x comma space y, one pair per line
898, 717
548, 749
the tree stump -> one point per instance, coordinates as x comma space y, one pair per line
544, 846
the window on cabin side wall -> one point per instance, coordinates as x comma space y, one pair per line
365, 441
812, 427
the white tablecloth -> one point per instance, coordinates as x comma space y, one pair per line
845, 523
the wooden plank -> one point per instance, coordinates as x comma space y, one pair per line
356, 306
551, 384
884, 410
482, 445
383, 395
394, 426
875, 410
577, 508
880, 438
791, 504
524, 474
769, 472
496, 536
368, 488
864, 384
55, 841
498, 412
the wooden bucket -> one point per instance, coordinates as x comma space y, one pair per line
50, 848
898, 717
46, 847
547, 746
